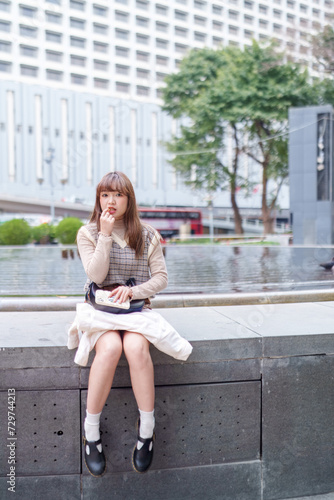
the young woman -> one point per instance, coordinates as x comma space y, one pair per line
114, 248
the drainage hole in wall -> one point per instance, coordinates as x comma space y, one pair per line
60, 433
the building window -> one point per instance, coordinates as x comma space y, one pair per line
233, 30
54, 56
5, 6
199, 37
100, 83
216, 25
277, 14
142, 21
78, 79
263, 9
122, 87
5, 46
5, 67
27, 11
77, 42
161, 10
27, 31
142, 56
122, 16
74, 4
29, 70
53, 18
101, 47
78, 61
50, 36
161, 44
143, 90
217, 41
28, 51
122, 70
233, 14
160, 77
124, 2
248, 34
263, 24
98, 10
143, 73
199, 5
51, 74
162, 61
100, 65
179, 14
101, 29
141, 4
179, 47
200, 21
248, 4
181, 32
122, 51
56, 2
124, 35
143, 39
5, 26
77, 23
216, 9
161, 26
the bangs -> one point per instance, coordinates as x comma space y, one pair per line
112, 182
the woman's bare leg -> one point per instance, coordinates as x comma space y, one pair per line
108, 352
136, 349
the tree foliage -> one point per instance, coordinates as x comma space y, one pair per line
249, 90
15, 232
67, 229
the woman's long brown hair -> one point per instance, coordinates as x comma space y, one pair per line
117, 181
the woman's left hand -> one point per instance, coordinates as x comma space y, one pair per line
121, 294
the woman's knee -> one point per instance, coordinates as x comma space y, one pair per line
136, 349
109, 346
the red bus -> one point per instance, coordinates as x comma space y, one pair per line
169, 220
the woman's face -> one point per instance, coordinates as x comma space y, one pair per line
115, 202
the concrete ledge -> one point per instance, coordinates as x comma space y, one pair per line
162, 301
248, 416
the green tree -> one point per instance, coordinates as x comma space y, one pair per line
66, 231
15, 232
251, 90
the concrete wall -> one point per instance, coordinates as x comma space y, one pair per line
312, 218
247, 417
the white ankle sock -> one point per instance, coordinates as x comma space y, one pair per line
92, 428
147, 422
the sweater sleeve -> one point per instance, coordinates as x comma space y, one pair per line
158, 271
95, 259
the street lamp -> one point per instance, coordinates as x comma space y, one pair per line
49, 159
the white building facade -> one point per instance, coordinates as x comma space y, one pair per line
81, 79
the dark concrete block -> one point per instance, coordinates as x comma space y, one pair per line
298, 426
40, 378
298, 345
31, 357
47, 432
218, 482
43, 487
195, 425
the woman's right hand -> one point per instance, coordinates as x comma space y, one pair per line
107, 222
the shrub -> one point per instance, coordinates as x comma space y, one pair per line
44, 233
67, 229
15, 232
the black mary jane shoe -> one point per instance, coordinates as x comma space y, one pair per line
142, 459
95, 461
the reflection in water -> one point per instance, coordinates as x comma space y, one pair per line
203, 269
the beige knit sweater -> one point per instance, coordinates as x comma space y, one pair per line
95, 259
